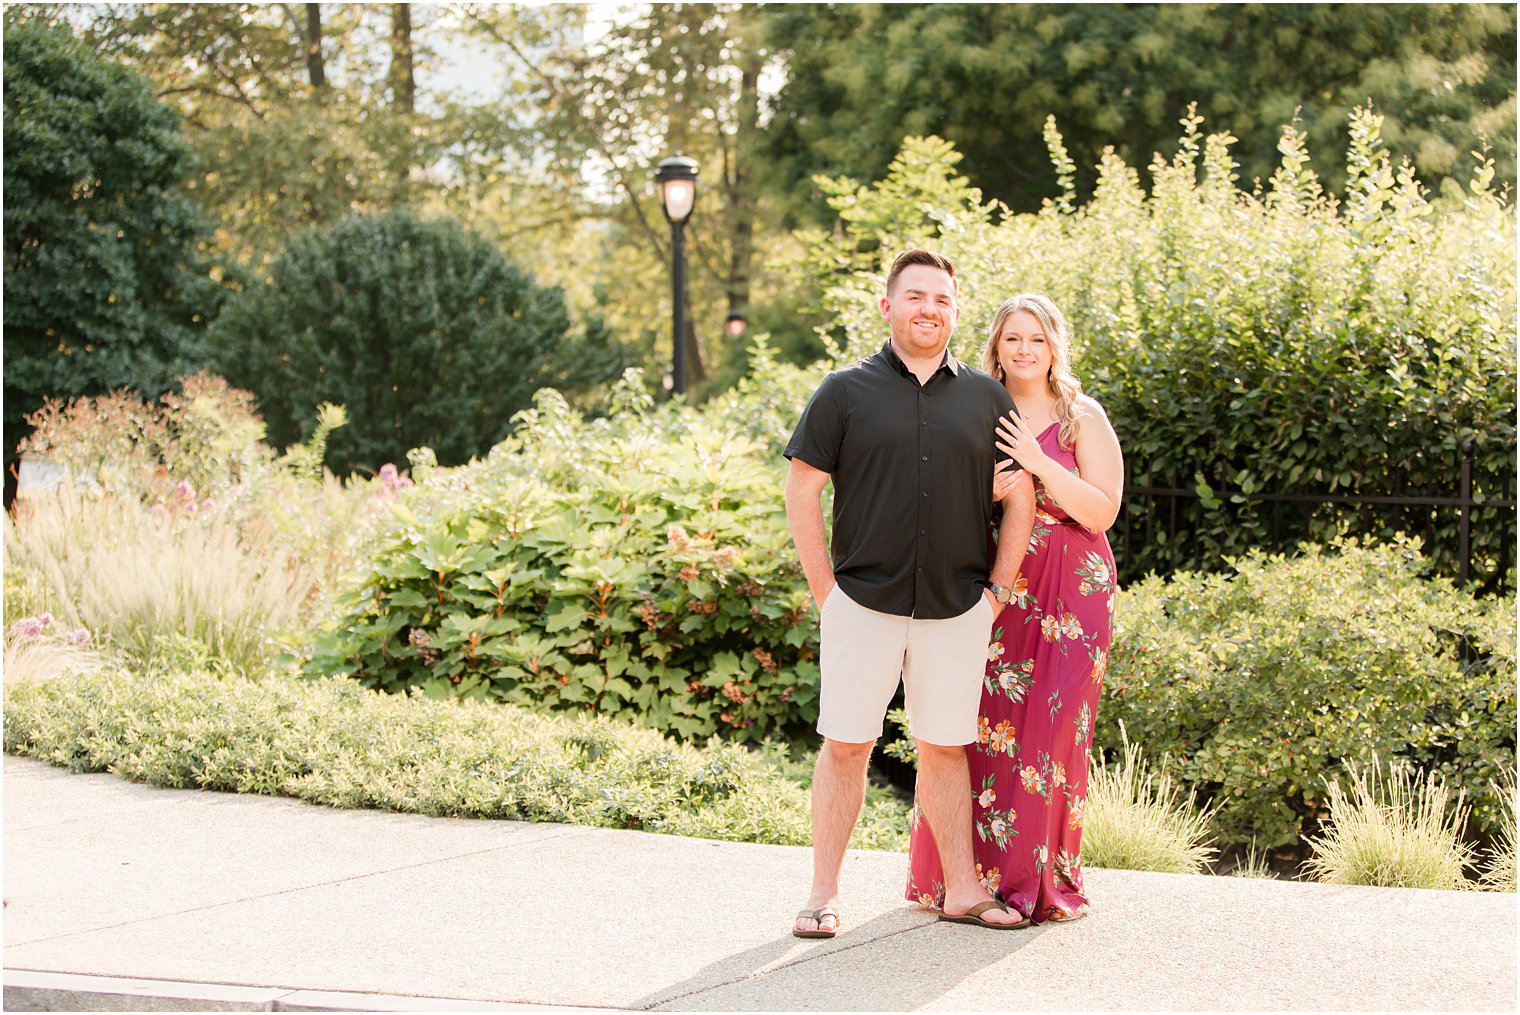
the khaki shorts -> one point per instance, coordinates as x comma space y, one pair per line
940, 662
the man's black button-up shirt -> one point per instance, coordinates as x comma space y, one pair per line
912, 472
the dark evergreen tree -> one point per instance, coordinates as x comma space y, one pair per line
104, 286
423, 330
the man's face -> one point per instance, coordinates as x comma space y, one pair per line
921, 310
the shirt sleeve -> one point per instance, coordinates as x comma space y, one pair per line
1004, 403
820, 431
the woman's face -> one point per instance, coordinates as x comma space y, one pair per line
1023, 350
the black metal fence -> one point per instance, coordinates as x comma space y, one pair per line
1465, 518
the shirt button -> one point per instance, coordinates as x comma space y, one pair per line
923, 495
920, 570
926, 458
923, 532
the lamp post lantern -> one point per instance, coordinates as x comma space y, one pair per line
735, 324
677, 180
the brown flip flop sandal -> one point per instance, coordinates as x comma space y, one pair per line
817, 915
974, 916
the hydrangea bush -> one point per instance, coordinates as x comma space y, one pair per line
637, 566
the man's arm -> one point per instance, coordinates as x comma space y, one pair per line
1013, 533
804, 512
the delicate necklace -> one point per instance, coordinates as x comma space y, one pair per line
1048, 411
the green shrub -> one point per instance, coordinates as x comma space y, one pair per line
424, 331
1139, 819
333, 742
1397, 830
638, 566
1276, 340
206, 435
1259, 685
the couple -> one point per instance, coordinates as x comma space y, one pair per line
1001, 670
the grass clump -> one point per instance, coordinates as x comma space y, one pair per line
1394, 830
334, 742
1138, 819
139, 578
1498, 871
1254, 864
33, 652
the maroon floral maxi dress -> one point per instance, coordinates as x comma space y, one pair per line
1045, 669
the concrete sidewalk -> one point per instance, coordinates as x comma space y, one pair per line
172, 899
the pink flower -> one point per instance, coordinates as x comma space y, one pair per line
391, 480
185, 491
30, 627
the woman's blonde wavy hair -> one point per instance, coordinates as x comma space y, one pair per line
1063, 384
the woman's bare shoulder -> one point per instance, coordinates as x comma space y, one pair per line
1088, 405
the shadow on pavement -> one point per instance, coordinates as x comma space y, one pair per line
910, 960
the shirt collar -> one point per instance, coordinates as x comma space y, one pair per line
949, 362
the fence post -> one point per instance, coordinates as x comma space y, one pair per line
1464, 564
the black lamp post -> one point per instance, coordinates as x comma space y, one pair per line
677, 180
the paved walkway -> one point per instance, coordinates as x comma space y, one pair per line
124, 896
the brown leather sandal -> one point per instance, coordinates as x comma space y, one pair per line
974, 916
818, 915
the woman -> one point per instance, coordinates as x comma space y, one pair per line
1050, 644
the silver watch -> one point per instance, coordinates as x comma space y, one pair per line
1000, 592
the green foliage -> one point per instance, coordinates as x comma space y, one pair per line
1260, 684
1139, 819
102, 284
860, 76
292, 112
1393, 830
1278, 341
336, 743
658, 78
639, 566
423, 331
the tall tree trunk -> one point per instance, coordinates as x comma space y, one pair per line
316, 68
696, 366
402, 72
741, 196
403, 82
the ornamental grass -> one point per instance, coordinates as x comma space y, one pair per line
1139, 819
141, 579
1497, 874
1392, 828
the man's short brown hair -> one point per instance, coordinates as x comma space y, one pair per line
918, 255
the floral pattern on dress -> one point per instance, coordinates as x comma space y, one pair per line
1040, 691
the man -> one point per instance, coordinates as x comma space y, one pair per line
907, 438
